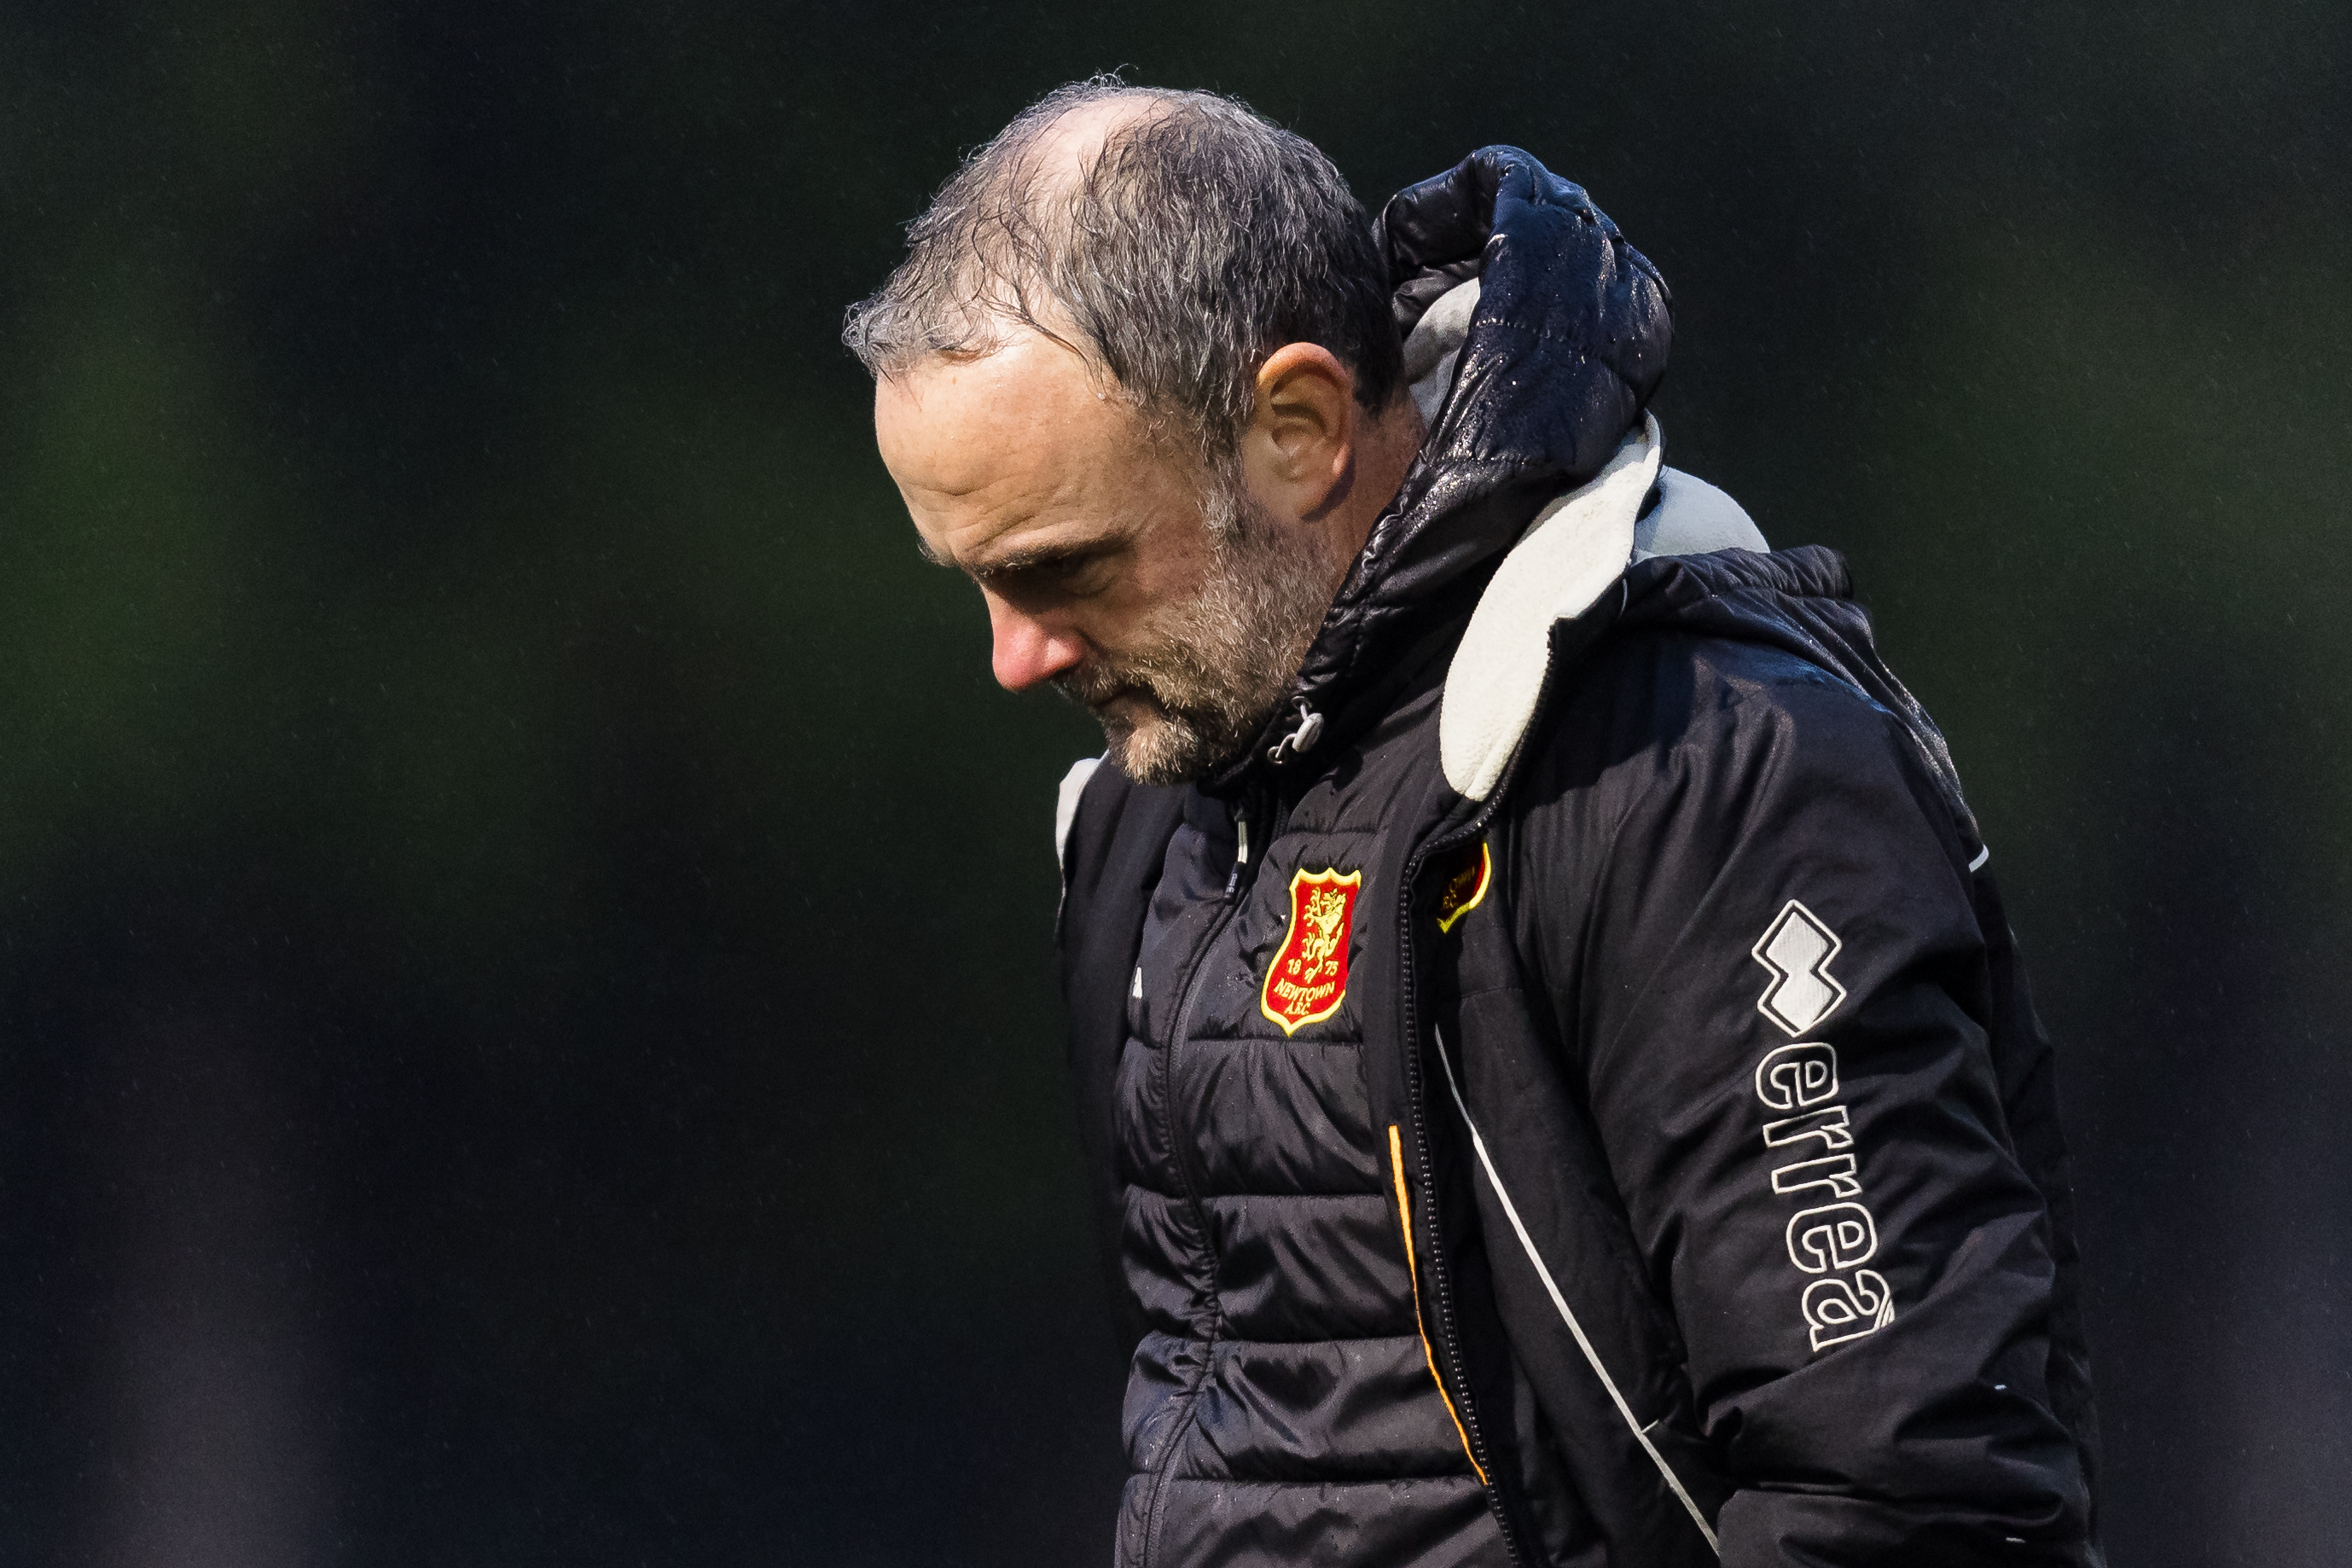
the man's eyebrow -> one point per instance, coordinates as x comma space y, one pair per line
1011, 561
1027, 559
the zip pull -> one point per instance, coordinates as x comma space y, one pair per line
1241, 828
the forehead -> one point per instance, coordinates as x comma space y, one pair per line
1015, 441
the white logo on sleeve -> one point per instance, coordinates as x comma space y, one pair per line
1833, 1238
1836, 1235
1797, 947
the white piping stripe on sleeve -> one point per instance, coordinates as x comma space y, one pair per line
1641, 1433
1983, 855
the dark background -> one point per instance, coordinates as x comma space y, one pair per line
525, 1027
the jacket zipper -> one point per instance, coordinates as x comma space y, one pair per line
1441, 1292
1409, 978
1236, 888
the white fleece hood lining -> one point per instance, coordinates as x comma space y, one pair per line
1577, 547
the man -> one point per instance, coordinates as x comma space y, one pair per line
1557, 1081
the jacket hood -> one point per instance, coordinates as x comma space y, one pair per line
1564, 346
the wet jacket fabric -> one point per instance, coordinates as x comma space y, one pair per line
1567, 1093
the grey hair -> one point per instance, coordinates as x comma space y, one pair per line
1198, 240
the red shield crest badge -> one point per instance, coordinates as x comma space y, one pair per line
1308, 977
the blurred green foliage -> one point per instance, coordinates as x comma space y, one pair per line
468, 685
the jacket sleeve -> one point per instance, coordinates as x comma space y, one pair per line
1777, 999
1109, 835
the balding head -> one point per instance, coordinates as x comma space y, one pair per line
1174, 240
1070, 138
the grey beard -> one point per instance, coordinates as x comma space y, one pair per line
1220, 661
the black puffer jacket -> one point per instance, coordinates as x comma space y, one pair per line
1616, 1001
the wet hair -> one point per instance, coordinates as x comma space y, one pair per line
1195, 242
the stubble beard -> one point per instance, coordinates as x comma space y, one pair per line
1217, 663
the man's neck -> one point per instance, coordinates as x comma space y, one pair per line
1385, 446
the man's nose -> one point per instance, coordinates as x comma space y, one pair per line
1027, 650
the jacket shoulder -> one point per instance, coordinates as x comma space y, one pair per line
1650, 698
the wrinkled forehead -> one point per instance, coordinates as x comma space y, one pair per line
1030, 409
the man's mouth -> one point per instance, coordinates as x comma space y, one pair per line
1128, 703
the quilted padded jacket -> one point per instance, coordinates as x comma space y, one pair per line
1568, 1093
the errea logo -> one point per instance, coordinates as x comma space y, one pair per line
1797, 947
1831, 1239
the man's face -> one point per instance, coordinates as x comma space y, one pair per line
1093, 549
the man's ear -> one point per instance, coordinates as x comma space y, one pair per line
1298, 453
